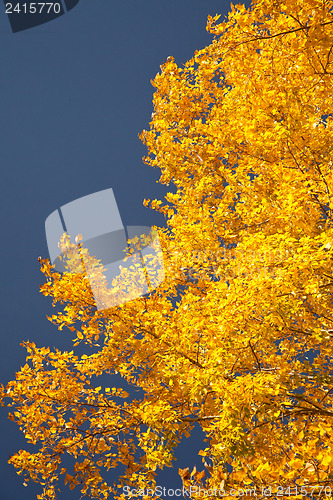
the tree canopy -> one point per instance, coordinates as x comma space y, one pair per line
237, 339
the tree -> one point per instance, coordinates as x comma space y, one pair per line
238, 337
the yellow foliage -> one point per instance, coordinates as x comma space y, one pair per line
245, 132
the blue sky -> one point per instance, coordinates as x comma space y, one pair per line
75, 94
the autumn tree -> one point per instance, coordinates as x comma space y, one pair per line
237, 339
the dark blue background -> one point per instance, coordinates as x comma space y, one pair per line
75, 93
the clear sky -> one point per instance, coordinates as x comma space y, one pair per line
75, 93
